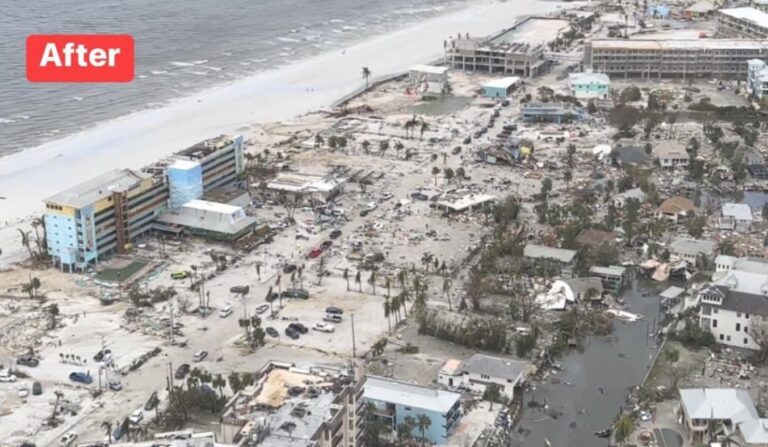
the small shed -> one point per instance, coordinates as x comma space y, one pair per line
500, 88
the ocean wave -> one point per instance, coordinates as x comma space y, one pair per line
77, 98
226, 53
182, 64
201, 61
142, 76
159, 72
6, 121
336, 21
24, 117
211, 67
199, 73
288, 39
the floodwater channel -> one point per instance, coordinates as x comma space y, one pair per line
566, 408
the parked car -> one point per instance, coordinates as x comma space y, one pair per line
199, 356
323, 327
240, 290
261, 308
27, 360
326, 245
115, 385
272, 297
364, 213
101, 354
334, 310
136, 417
23, 391
335, 234
182, 371
289, 331
315, 252
81, 377
272, 332
67, 439
332, 318
6, 376
179, 275
290, 268
118, 432
225, 311
299, 328
296, 293
37, 389
152, 402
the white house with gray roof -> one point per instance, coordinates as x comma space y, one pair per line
690, 249
711, 412
565, 259
478, 372
736, 216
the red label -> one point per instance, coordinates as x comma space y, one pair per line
80, 58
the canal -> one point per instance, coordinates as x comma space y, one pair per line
589, 391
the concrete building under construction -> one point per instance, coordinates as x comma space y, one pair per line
516, 51
682, 58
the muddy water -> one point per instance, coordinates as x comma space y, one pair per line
593, 385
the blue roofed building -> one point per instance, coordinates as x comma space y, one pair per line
548, 113
394, 400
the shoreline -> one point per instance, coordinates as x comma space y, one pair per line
138, 139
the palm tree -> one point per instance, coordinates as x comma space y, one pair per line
219, 383
269, 300
319, 141
346, 277
279, 285
359, 284
387, 284
383, 146
623, 427
25, 242
366, 74
460, 174
568, 176
372, 281
423, 422
447, 283
408, 126
423, 128
301, 276
435, 172
388, 313
36, 223
366, 146
108, 426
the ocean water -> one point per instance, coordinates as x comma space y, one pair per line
182, 46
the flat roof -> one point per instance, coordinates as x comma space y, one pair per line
406, 394
95, 189
749, 14
207, 147
532, 30
495, 367
183, 164
672, 44
692, 246
672, 292
502, 82
613, 270
544, 252
739, 211
467, 201
214, 207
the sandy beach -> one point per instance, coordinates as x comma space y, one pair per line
133, 141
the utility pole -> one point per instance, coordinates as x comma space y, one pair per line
106, 370
352, 316
170, 333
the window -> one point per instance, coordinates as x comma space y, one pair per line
722, 337
746, 341
714, 323
738, 327
738, 314
746, 316
715, 310
407, 408
727, 338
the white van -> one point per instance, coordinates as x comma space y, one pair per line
225, 311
